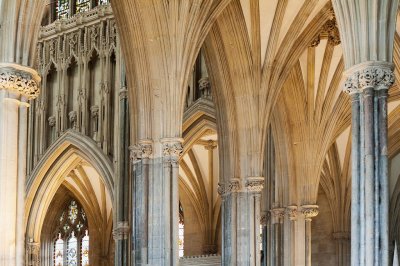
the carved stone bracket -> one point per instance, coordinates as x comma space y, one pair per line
377, 75
19, 79
291, 212
121, 231
309, 211
33, 253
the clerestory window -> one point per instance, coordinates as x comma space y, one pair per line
67, 8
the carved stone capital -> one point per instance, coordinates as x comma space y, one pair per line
376, 75
143, 150
254, 184
19, 79
265, 217
227, 188
309, 211
172, 147
291, 212
278, 214
121, 231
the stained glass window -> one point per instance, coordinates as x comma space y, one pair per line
82, 5
85, 249
71, 246
72, 251
181, 231
62, 9
59, 252
103, 2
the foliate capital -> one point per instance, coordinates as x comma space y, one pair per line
376, 75
19, 79
232, 186
121, 231
254, 184
172, 147
309, 211
265, 217
291, 212
143, 150
278, 214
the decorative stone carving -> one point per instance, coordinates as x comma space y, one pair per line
278, 214
143, 150
309, 211
19, 79
172, 148
72, 119
205, 87
291, 212
254, 184
94, 111
265, 217
121, 231
52, 121
376, 75
221, 189
328, 31
33, 253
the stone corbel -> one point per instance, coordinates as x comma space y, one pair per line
121, 231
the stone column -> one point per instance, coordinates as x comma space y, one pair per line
291, 212
309, 212
241, 221
278, 215
18, 84
264, 220
368, 85
140, 156
122, 184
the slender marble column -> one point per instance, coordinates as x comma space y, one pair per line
17, 85
368, 85
309, 212
121, 227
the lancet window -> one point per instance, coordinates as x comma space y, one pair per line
71, 245
181, 231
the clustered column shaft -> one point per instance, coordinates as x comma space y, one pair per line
368, 86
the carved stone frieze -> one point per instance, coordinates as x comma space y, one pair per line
371, 75
121, 231
19, 79
309, 211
